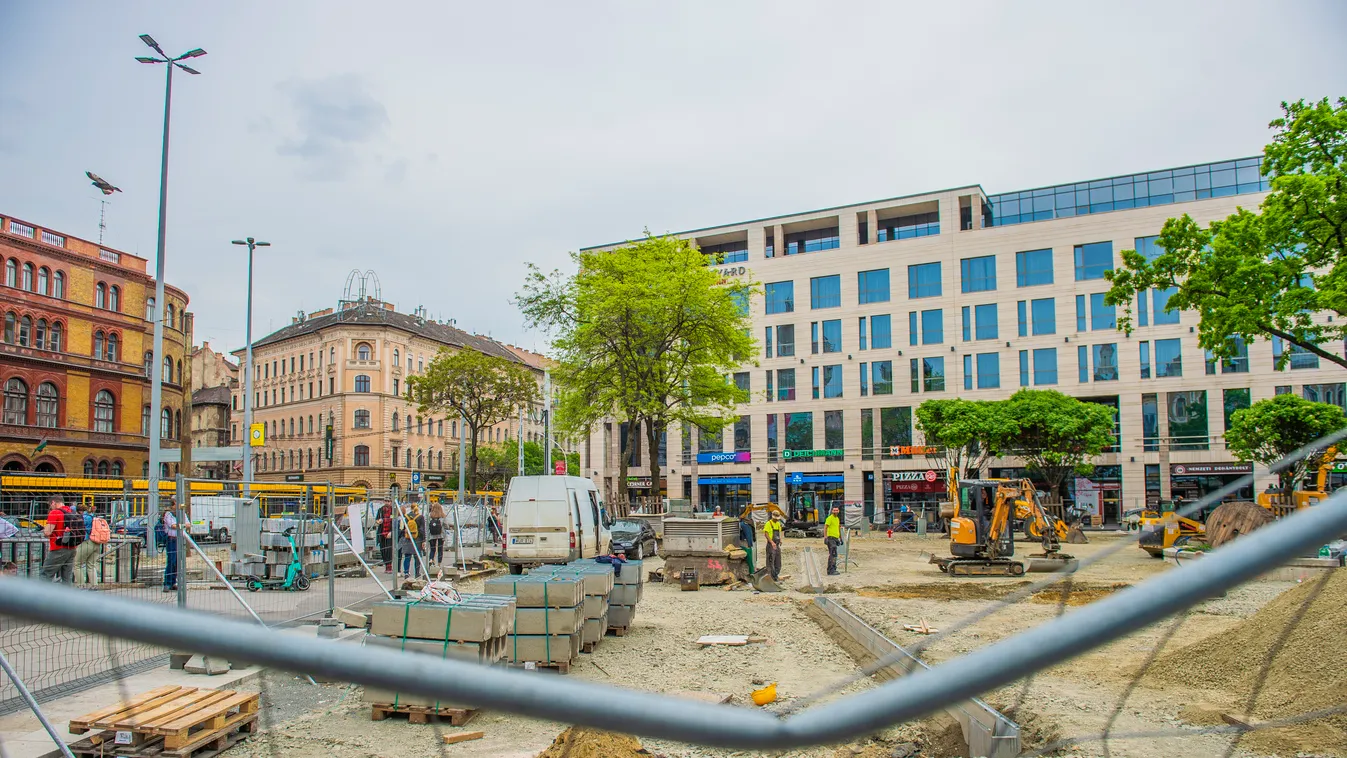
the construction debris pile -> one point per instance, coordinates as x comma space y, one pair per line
271, 561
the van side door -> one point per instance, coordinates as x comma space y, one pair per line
598, 523
579, 526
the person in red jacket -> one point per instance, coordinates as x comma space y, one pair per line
63, 536
384, 531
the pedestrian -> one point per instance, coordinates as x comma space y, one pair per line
409, 534
7, 528
832, 537
384, 533
493, 522
435, 535
86, 555
168, 533
748, 536
771, 533
64, 532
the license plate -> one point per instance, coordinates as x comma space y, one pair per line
521, 540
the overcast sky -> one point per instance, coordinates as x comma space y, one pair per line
443, 145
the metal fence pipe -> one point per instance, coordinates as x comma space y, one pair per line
32, 703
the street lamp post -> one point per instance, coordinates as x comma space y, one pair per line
248, 370
156, 368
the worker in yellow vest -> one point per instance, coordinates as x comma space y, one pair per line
771, 532
832, 537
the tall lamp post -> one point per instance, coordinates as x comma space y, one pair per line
248, 370
156, 369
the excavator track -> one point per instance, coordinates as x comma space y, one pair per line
972, 567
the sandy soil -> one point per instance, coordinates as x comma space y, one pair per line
889, 583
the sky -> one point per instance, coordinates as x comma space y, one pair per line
445, 145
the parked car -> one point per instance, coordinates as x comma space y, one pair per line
634, 537
26, 526
130, 526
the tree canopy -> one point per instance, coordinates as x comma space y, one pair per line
500, 463
1271, 429
967, 432
1055, 434
645, 332
482, 389
1270, 274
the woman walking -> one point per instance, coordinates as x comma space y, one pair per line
435, 535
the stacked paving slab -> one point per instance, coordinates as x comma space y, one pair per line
549, 618
476, 629
628, 588
274, 559
598, 585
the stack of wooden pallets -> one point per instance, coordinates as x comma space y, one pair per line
172, 722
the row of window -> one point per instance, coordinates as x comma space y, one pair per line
170, 423
44, 410
281, 460
24, 331
35, 279
363, 352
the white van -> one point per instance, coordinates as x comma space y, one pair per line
212, 516
553, 519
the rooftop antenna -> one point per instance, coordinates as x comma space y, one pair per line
102, 219
106, 188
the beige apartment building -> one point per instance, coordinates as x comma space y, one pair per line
330, 389
870, 309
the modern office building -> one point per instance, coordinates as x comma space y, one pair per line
76, 356
870, 309
330, 389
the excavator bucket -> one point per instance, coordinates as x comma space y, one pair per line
1076, 536
764, 582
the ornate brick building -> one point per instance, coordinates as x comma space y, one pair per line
76, 352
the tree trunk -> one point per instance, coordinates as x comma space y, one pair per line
472, 462
624, 459
653, 432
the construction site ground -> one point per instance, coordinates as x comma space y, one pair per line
889, 583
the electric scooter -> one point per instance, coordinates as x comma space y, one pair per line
295, 578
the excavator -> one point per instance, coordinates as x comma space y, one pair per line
981, 535
1275, 502
1165, 528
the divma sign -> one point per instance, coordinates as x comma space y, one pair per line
743, 456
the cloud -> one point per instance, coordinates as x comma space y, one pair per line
333, 116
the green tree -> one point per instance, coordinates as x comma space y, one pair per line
967, 432
1271, 429
482, 389
1055, 434
646, 333
500, 463
1266, 274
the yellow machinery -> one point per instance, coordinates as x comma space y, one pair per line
1165, 528
1277, 503
981, 535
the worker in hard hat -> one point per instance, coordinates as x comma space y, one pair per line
771, 534
832, 537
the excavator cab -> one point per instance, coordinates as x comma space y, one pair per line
970, 531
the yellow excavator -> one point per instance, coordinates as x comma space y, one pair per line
981, 535
1164, 528
1277, 503
1229, 520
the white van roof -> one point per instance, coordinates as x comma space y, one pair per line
525, 488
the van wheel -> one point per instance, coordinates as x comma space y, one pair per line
516, 568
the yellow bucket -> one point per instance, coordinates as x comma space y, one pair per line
765, 695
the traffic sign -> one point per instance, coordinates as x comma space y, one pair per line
416, 478
257, 435
795, 478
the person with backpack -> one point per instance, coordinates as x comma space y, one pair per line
166, 532
435, 535
96, 534
384, 532
65, 532
413, 526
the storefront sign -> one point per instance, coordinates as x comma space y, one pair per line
294, 477
798, 478
712, 480
733, 271
897, 450
638, 482
742, 456
789, 454
1207, 469
928, 475
433, 478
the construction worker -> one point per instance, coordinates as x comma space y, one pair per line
771, 533
832, 537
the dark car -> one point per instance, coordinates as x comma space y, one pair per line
634, 538
130, 526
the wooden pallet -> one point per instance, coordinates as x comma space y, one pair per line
560, 668
423, 714
618, 631
170, 721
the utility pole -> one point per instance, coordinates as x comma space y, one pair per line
521, 440
248, 371
547, 421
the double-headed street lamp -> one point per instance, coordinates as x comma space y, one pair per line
248, 369
156, 369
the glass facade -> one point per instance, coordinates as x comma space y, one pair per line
907, 227
1033, 268
825, 292
779, 297
1235, 400
1177, 185
978, 274
988, 370
812, 241
1092, 260
1187, 419
872, 286
730, 252
923, 280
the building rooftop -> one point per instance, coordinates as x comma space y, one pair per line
212, 396
432, 330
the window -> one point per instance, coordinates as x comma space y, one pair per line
989, 370
111, 353
785, 340
48, 405
967, 323
100, 295
168, 314
362, 383
729, 252
40, 334
1188, 419
741, 381
779, 297
1024, 368
785, 384
16, 402
881, 336
815, 373
923, 280
833, 437
43, 276
11, 321
12, 273
832, 381
1145, 358
978, 274
361, 419
54, 337
1298, 358
1080, 313
984, 316
310, 424
331, 385
149, 307
865, 379
361, 455
1160, 299
1044, 315
99, 338
968, 372
1168, 358
362, 352
932, 327
1092, 260
872, 286
907, 227
1045, 366
1105, 362
1033, 268
26, 332
825, 292
28, 276
105, 409
1239, 363
1102, 316
1333, 394
933, 374
812, 241
420, 426
58, 287
115, 298
767, 343
771, 393
832, 336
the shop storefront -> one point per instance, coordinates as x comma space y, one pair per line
730, 493
639, 487
1192, 481
1099, 495
920, 490
817, 489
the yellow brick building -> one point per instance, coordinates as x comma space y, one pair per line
76, 352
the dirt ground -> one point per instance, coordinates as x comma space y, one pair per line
889, 583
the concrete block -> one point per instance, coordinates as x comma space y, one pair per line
200, 664
330, 629
177, 660
351, 619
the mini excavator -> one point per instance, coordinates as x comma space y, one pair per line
982, 540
